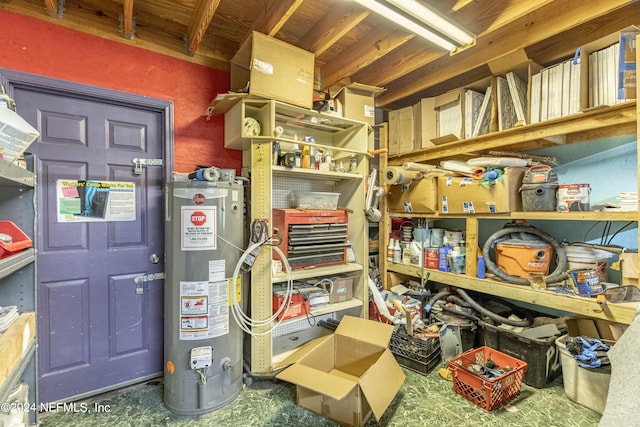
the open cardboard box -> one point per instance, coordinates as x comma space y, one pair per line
346, 376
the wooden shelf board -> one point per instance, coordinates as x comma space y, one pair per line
623, 313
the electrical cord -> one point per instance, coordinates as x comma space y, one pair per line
619, 231
247, 323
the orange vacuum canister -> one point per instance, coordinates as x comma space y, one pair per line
520, 258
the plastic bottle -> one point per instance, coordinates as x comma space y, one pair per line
397, 252
481, 267
305, 162
406, 253
353, 164
276, 153
341, 167
296, 150
390, 250
416, 253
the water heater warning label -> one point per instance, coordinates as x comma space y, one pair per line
204, 311
198, 228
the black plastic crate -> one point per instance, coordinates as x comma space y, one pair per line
418, 354
541, 355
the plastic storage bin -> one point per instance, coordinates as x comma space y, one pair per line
19, 240
488, 393
542, 355
586, 386
314, 200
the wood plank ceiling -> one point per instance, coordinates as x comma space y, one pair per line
350, 43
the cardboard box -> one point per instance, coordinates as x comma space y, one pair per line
401, 131
462, 195
630, 268
419, 196
347, 376
457, 110
357, 101
596, 328
276, 70
425, 123
14, 343
342, 289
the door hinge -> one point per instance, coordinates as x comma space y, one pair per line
139, 163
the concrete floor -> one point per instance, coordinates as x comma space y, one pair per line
423, 400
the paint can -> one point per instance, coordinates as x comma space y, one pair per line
452, 237
437, 237
586, 281
573, 197
431, 258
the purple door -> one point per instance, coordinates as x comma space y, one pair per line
97, 328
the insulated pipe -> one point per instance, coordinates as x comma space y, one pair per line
457, 300
491, 314
429, 305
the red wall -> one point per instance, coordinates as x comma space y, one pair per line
38, 47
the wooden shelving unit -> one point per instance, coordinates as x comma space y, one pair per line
18, 283
590, 125
270, 185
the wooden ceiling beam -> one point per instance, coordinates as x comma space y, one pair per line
202, 15
127, 19
381, 41
53, 8
415, 54
556, 17
277, 16
332, 27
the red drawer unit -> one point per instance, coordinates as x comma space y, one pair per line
311, 238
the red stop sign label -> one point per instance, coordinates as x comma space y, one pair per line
198, 218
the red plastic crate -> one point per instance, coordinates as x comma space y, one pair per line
20, 240
488, 393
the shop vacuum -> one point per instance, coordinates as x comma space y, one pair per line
203, 348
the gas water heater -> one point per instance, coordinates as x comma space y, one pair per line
203, 346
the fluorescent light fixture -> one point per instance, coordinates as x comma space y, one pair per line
454, 36
434, 19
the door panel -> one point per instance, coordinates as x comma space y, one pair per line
97, 329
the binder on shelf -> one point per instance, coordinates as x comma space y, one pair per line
534, 109
472, 104
483, 121
576, 85
544, 94
518, 91
566, 88
506, 111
